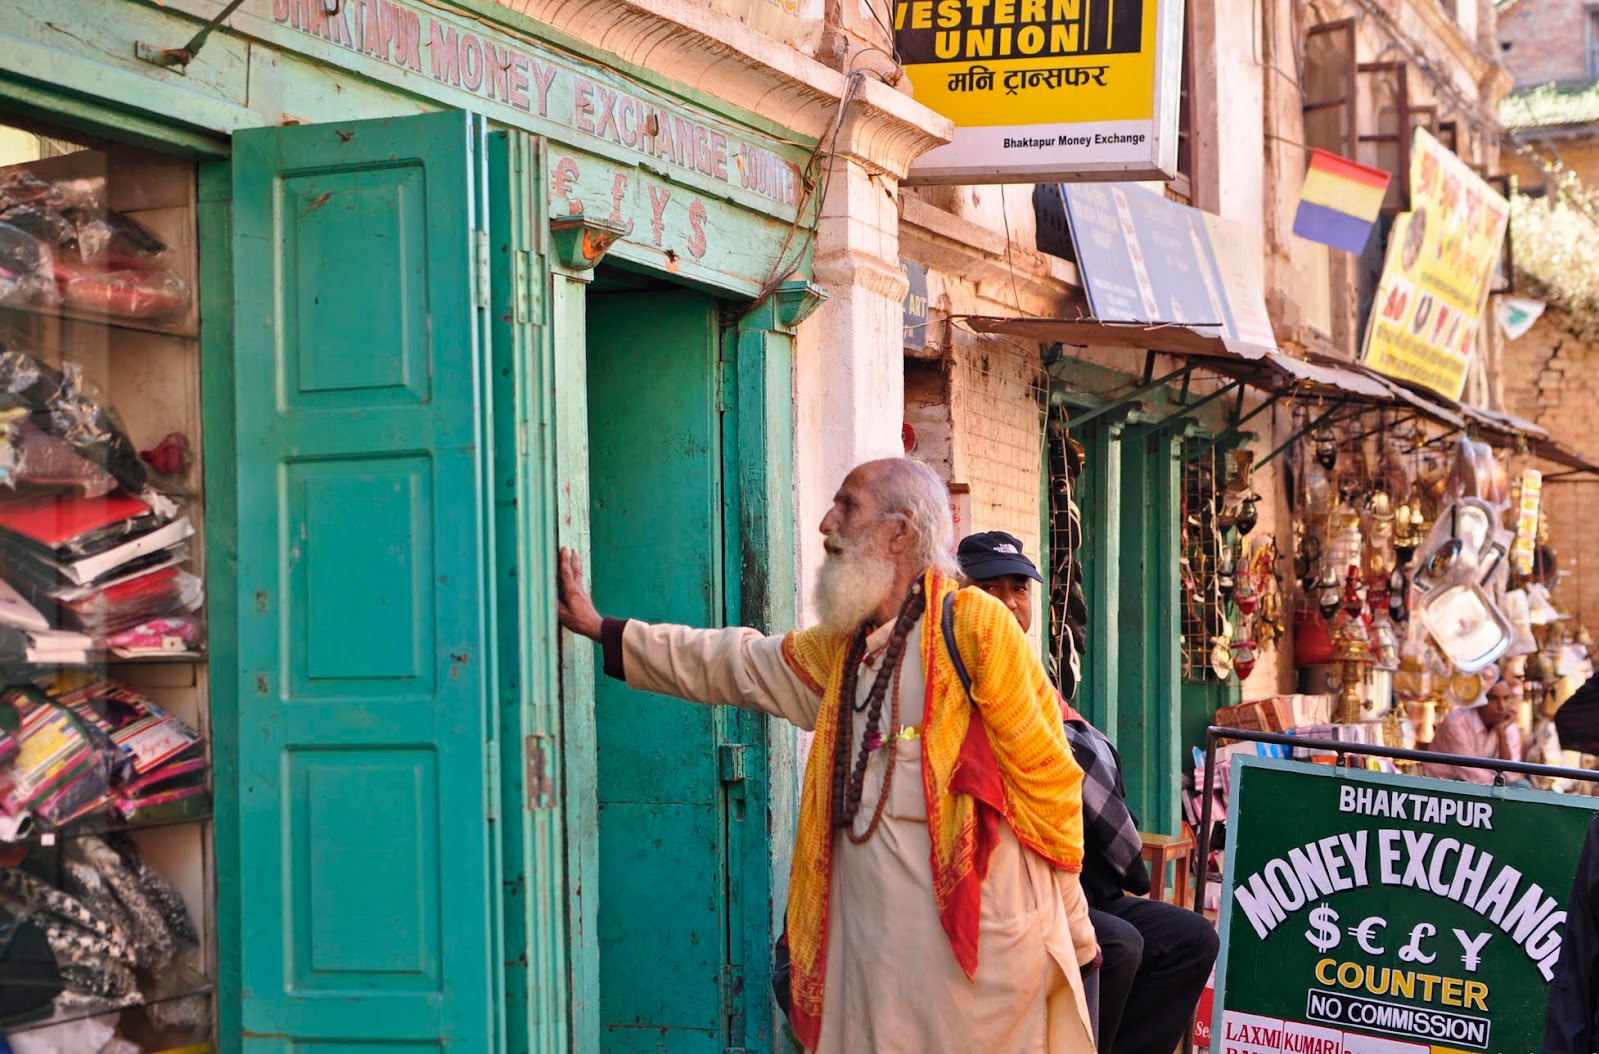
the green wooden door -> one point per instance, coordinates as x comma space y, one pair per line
1148, 695
367, 859
655, 477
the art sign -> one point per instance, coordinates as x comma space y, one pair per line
1438, 272
1045, 90
1369, 913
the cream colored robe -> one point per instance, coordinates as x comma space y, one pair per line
892, 984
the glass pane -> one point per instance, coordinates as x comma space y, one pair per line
104, 755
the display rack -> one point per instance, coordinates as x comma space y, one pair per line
145, 373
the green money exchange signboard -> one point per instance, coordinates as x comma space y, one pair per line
1367, 913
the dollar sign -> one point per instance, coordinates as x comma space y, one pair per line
1324, 923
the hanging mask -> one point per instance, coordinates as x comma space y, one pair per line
1326, 450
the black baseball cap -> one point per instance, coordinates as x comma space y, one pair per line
994, 554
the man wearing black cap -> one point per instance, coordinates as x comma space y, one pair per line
1157, 956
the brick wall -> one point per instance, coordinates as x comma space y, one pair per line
1547, 41
997, 438
1580, 156
1552, 377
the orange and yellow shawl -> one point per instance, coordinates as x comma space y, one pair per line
1013, 764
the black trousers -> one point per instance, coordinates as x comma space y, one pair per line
1157, 959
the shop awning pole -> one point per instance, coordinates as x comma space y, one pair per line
1232, 430
1317, 423
1382, 428
1184, 411
1076, 420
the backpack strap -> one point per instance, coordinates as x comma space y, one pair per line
948, 623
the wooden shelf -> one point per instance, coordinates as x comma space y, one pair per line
161, 327
173, 814
165, 990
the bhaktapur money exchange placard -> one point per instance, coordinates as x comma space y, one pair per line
1369, 913
1045, 90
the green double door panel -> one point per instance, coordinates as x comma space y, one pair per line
671, 902
388, 888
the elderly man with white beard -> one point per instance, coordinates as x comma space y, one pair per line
934, 901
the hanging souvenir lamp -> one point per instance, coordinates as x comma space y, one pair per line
1409, 529
1384, 645
1352, 653
1352, 602
1328, 599
1345, 547
1399, 597
1380, 513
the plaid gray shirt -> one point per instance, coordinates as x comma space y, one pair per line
1110, 830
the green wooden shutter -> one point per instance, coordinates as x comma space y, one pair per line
367, 862
655, 467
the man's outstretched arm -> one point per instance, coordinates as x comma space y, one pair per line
733, 667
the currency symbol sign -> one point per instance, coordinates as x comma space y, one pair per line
1323, 934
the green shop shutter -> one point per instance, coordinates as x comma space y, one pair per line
666, 981
367, 860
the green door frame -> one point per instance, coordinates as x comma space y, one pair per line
756, 385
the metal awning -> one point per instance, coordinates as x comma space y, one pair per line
1276, 373
1167, 338
1560, 454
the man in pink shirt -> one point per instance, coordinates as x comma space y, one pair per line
1485, 731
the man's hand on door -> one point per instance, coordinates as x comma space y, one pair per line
574, 607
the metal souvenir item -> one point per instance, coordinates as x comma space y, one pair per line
1244, 658
1326, 450
1248, 516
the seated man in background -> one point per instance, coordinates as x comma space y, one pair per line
1157, 956
1487, 730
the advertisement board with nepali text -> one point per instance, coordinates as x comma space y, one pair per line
1438, 272
1045, 90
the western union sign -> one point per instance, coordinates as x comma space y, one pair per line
1045, 90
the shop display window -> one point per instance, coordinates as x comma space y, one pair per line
106, 926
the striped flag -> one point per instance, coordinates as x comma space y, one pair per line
1340, 201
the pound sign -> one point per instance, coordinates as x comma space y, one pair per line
1412, 953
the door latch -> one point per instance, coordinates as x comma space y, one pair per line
732, 762
540, 787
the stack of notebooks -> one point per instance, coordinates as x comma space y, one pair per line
77, 573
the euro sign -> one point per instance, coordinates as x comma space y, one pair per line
1323, 934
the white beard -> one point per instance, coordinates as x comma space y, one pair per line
852, 584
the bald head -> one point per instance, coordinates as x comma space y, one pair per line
904, 490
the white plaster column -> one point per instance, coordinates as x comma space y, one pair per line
849, 367
849, 383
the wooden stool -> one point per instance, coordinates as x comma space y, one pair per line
1163, 849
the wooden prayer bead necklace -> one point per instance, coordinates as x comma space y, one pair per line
848, 785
